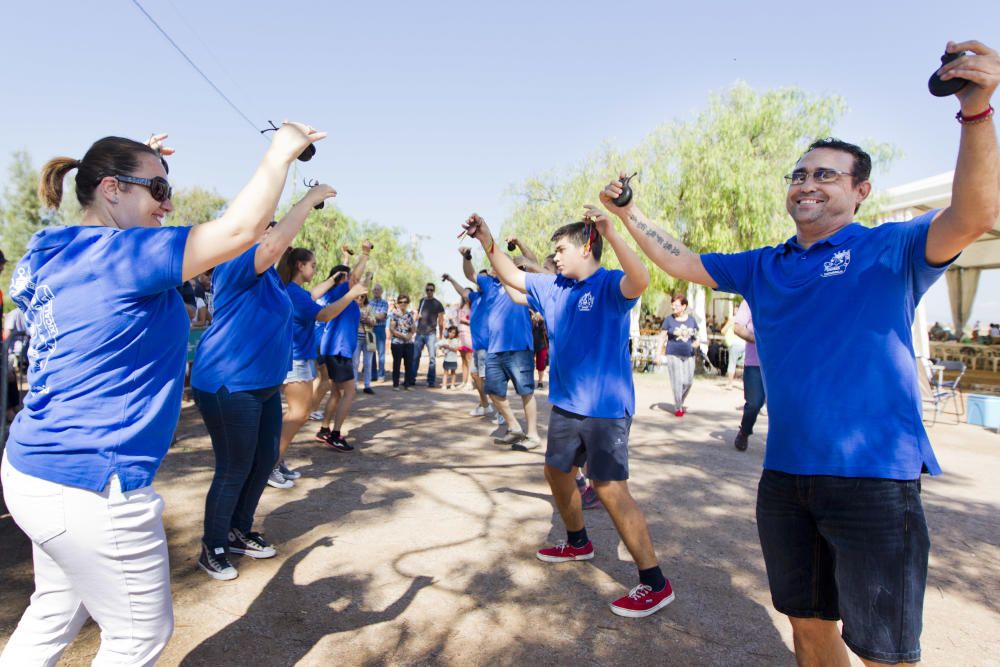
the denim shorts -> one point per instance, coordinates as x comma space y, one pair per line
303, 370
601, 443
479, 363
848, 548
517, 366
339, 368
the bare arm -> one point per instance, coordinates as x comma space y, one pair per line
525, 250
440, 325
358, 271
324, 287
662, 343
744, 332
636, 277
467, 268
331, 310
502, 264
666, 252
247, 216
281, 236
975, 190
520, 298
462, 291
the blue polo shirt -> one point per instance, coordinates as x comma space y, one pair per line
509, 323
304, 311
249, 345
590, 368
340, 335
106, 363
832, 324
479, 322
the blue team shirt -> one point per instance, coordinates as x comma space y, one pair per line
249, 345
509, 323
304, 311
106, 362
590, 367
479, 322
832, 324
340, 335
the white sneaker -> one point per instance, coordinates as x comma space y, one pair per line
477, 411
490, 410
499, 421
316, 416
278, 481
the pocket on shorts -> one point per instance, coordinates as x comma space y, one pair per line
37, 505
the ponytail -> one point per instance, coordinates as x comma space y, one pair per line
288, 265
50, 183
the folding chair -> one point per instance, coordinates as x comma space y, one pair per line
942, 390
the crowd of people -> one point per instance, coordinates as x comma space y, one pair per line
839, 514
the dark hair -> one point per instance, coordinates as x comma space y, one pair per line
862, 169
431, 285
451, 328
109, 156
580, 233
288, 265
484, 272
402, 295
679, 297
340, 268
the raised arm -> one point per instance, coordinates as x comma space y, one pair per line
331, 310
502, 264
281, 236
462, 291
358, 272
636, 277
467, 268
666, 252
525, 250
975, 189
323, 287
247, 216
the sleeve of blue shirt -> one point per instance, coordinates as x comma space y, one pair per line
540, 288
485, 284
306, 309
142, 261
733, 272
913, 245
613, 286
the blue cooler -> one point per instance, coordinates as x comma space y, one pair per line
984, 410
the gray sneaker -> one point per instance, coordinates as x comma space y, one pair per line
278, 481
287, 472
510, 438
526, 443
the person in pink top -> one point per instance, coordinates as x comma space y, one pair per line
753, 381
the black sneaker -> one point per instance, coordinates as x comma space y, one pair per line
216, 563
252, 544
741, 441
368, 390
340, 444
323, 435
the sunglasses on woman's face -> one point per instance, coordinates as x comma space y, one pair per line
404, 303
159, 188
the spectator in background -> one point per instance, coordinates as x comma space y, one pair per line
402, 332
380, 311
753, 381
540, 341
678, 341
430, 326
363, 356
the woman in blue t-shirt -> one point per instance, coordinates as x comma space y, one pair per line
296, 268
678, 342
108, 345
240, 365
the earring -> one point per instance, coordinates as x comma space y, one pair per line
114, 200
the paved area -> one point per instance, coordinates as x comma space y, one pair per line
417, 549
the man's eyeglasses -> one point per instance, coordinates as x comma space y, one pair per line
159, 188
821, 175
403, 303
429, 289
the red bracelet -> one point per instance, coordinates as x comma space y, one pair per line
978, 118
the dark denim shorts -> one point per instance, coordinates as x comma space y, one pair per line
517, 366
851, 549
601, 443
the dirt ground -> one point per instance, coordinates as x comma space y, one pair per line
418, 548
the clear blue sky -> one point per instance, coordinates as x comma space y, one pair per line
435, 109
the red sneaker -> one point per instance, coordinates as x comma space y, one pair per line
679, 413
643, 601
562, 553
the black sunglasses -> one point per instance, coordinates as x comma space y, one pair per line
159, 188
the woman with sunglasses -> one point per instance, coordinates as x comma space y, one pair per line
106, 374
296, 268
402, 329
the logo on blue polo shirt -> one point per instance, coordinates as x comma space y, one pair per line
837, 265
586, 302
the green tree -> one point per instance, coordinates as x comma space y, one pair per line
195, 205
21, 213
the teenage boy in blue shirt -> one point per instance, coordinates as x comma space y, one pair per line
846, 445
586, 308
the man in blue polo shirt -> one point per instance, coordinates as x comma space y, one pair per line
839, 516
586, 310
509, 357
480, 333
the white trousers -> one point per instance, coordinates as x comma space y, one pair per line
102, 555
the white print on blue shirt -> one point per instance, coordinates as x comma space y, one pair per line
837, 265
586, 302
37, 301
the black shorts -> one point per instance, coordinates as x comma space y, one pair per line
340, 369
450, 365
601, 443
877, 531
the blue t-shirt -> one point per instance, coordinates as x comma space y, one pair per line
590, 367
509, 323
479, 321
832, 324
304, 311
681, 335
106, 362
249, 345
340, 335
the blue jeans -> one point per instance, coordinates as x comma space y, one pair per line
754, 395
363, 364
380, 351
244, 427
430, 340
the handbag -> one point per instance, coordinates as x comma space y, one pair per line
369, 341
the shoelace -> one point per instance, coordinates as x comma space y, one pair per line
639, 591
217, 563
